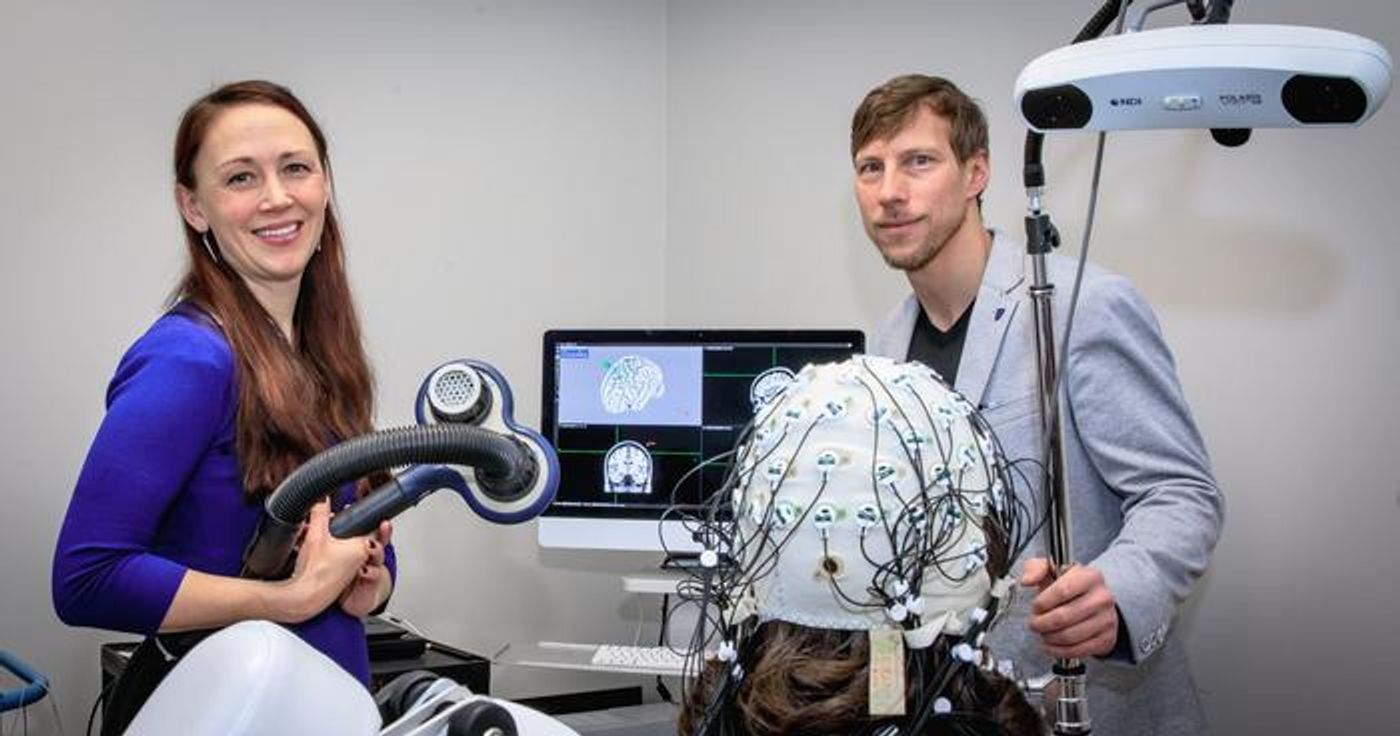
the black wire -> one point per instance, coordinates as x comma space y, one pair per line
874, 454
836, 587
699, 640
101, 696
1083, 260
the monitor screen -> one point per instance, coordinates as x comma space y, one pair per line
633, 412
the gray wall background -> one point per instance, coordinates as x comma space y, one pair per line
503, 168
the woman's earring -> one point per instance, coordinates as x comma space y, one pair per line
205, 237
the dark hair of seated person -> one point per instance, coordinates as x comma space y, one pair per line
802, 680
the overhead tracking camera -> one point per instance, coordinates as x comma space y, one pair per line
1207, 76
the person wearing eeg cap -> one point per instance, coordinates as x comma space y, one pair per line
871, 523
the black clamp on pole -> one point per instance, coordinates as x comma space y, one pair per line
1041, 234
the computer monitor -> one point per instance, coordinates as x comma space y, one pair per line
632, 412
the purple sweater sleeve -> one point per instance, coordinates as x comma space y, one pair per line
171, 400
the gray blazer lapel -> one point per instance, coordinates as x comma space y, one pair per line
893, 334
992, 315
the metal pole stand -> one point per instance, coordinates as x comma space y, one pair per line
1071, 699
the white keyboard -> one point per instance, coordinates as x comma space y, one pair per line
660, 660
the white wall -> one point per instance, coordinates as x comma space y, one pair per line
506, 167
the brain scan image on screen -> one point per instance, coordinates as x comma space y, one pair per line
768, 385
630, 383
627, 468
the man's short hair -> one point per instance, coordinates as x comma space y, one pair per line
889, 107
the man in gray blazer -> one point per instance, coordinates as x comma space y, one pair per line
1145, 509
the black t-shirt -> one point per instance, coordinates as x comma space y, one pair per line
939, 350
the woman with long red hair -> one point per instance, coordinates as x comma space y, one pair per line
257, 366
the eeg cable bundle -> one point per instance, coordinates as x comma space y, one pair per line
866, 496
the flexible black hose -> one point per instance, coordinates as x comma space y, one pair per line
501, 462
496, 456
1033, 173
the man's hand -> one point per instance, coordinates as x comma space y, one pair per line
1075, 615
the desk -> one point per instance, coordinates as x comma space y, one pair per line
392, 652
574, 656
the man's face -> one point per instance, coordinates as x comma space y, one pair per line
913, 194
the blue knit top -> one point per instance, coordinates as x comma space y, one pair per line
161, 493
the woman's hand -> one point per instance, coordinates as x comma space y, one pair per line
372, 582
325, 566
